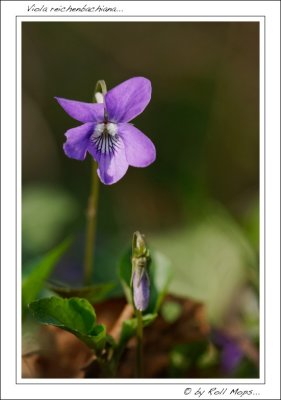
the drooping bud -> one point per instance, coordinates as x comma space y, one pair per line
140, 277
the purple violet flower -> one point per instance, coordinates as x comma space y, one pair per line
106, 132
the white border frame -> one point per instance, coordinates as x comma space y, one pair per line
268, 189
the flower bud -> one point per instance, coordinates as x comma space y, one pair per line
140, 278
141, 289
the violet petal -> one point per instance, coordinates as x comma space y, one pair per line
112, 167
127, 100
77, 141
140, 151
83, 112
141, 291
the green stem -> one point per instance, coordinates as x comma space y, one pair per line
91, 226
92, 207
139, 344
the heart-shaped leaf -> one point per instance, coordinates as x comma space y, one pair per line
74, 315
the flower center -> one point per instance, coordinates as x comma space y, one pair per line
105, 138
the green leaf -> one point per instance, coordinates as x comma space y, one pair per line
211, 261
74, 315
93, 294
129, 327
34, 280
160, 274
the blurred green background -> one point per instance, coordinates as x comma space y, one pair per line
199, 202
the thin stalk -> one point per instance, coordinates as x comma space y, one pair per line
91, 225
139, 364
101, 90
